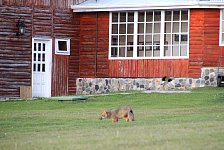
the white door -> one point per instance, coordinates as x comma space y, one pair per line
41, 67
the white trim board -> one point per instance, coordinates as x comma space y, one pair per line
138, 5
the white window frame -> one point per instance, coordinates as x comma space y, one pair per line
221, 29
162, 33
62, 52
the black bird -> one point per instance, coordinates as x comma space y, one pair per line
167, 79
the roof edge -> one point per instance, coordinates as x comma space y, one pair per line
180, 5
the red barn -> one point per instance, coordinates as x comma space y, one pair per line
95, 46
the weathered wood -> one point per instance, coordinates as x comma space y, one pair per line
25, 92
16, 51
62, 4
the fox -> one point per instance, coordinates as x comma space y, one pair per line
124, 112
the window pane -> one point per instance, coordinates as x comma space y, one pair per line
148, 51
35, 46
222, 26
43, 47
38, 57
38, 67
34, 56
156, 52
149, 16
62, 45
167, 50
122, 39
184, 27
156, 48
157, 16
140, 50
149, 28
184, 15
122, 51
183, 50
157, 28
168, 27
140, 39
114, 29
222, 14
183, 39
34, 67
130, 28
114, 17
130, 52
43, 67
176, 15
168, 39
141, 16
130, 40
156, 38
123, 17
122, 29
141, 28
39, 46
114, 40
130, 17
114, 52
222, 37
175, 27
175, 50
148, 40
43, 57
168, 16
175, 39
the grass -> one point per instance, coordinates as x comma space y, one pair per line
186, 121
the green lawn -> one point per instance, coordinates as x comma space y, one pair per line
184, 121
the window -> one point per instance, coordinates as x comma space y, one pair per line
149, 34
221, 39
62, 46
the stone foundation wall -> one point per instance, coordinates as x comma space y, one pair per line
107, 85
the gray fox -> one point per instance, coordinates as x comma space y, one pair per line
125, 112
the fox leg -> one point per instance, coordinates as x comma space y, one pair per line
115, 120
126, 119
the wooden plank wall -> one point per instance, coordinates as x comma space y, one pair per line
66, 68
204, 40
149, 68
212, 51
15, 52
102, 45
94, 38
204, 50
43, 19
41, 3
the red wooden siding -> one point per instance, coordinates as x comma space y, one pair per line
102, 45
204, 40
60, 76
66, 68
94, 62
204, 49
148, 68
94, 34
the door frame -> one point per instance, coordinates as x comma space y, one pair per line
49, 58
